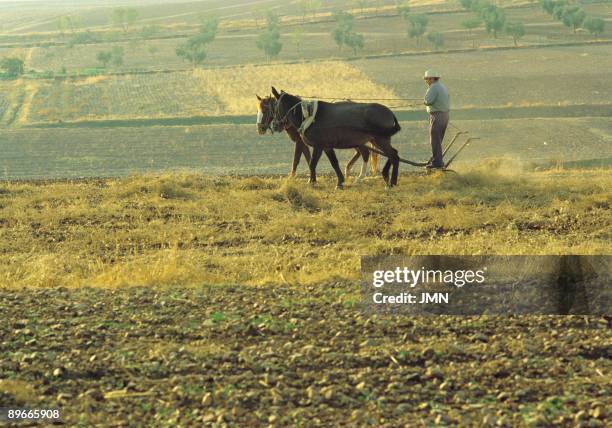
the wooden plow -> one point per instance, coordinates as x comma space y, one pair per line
444, 153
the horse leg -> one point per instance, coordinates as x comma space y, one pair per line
349, 165
365, 154
300, 149
305, 150
331, 155
395, 172
297, 154
314, 160
385, 171
373, 163
384, 144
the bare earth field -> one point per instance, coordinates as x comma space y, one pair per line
504, 78
237, 149
251, 310
293, 356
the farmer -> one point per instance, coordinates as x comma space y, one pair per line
438, 107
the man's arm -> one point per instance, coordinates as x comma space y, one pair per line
431, 95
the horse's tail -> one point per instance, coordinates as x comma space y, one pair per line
396, 126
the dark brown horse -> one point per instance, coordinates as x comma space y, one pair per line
342, 125
266, 107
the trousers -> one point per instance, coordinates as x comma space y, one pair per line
438, 121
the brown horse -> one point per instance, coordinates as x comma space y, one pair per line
266, 107
341, 125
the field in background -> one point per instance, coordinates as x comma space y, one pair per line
383, 35
505, 78
183, 94
237, 149
34, 18
541, 79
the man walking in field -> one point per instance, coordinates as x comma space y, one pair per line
438, 107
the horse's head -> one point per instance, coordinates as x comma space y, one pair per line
284, 112
265, 113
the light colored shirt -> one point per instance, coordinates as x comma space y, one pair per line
437, 98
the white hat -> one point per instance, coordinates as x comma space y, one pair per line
431, 73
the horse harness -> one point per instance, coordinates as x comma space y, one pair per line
309, 113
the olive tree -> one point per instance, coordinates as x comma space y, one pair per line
516, 30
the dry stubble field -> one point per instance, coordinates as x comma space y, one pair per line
180, 300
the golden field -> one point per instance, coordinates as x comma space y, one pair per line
193, 229
200, 92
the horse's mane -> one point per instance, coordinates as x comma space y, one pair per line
290, 101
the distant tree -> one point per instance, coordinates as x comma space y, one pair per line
494, 19
117, 56
297, 36
558, 10
194, 49
192, 52
573, 17
516, 30
68, 22
344, 25
104, 57
269, 41
123, 17
354, 41
477, 6
436, 39
403, 8
208, 30
417, 26
131, 16
344, 35
114, 57
594, 26
549, 6
12, 66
